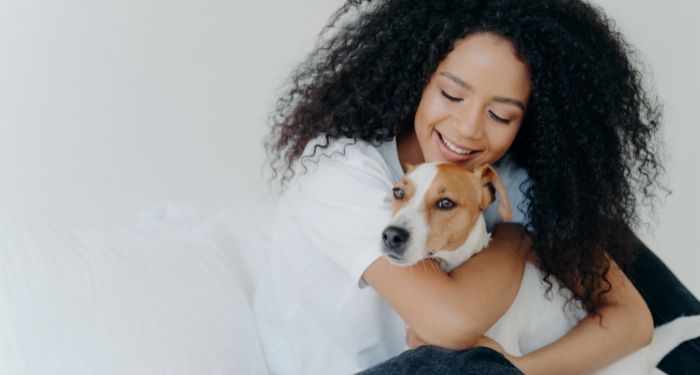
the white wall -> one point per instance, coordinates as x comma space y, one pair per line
666, 35
110, 107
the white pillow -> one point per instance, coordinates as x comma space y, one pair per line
164, 297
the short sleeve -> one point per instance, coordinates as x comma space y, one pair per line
342, 204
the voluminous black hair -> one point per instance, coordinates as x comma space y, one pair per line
587, 139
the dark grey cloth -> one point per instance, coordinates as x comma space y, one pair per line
434, 360
667, 299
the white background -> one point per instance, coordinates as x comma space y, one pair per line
109, 107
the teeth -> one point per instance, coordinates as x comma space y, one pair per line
454, 148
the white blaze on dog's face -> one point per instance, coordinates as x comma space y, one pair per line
437, 211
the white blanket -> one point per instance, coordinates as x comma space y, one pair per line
168, 295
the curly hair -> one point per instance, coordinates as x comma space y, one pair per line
587, 139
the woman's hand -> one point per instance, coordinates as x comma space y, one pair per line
491, 344
413, 341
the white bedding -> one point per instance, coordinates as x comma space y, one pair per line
167, 295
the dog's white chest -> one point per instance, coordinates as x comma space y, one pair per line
535, 320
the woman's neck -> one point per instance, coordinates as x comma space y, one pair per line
408, 148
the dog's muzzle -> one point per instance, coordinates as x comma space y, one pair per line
395, 241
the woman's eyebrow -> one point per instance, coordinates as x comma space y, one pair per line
457, 80
467, 86
514, 102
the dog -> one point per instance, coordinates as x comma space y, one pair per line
438, 213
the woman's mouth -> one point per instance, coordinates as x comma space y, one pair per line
452, 152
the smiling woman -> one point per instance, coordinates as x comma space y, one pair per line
547, 92
107, 108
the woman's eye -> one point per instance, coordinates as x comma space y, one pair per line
450, 97
445, 204
499, 119
398, 193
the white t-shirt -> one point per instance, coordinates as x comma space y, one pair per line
313, 312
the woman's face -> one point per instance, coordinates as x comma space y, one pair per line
471, 110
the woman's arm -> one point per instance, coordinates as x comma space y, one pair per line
626, 326
454, 310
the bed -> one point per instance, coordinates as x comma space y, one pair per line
168, 294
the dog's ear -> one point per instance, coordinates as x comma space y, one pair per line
408, 167
490, 183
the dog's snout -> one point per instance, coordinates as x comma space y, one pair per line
395, 239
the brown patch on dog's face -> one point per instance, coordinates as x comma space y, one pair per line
403, 191
452, 205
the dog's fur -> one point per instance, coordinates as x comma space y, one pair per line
438, 213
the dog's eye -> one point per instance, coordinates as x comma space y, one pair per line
445, 204
398, 193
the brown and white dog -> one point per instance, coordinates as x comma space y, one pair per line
438, 213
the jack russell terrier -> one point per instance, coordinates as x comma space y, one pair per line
438, 213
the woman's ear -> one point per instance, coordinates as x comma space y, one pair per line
490, 183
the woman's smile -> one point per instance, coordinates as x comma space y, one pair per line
452, 152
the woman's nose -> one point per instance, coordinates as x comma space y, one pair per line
470, 123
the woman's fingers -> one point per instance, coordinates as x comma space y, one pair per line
412, 340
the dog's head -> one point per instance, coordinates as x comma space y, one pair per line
437, 213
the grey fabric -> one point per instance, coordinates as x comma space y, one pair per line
434, 360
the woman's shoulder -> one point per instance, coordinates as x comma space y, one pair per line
336, 148
345, 160
341, 149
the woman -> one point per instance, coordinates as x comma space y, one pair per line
544, 90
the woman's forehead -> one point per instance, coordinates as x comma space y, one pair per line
487, 64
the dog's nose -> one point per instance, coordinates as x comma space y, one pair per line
395, 240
